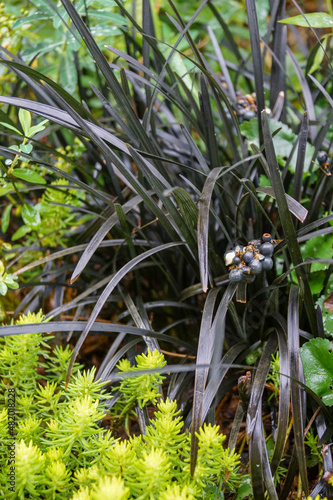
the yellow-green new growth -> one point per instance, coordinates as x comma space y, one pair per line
141, 388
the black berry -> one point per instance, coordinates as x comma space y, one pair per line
235, 275
267, 249
322, 157
255, 266
266, 237
248, 257
267, 264
236, 261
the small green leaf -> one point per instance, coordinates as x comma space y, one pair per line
26, 148
22, 231
245, 489
28, 175
3, 288
30, 216
6, 218
10, 281
15, 148
7, 125
318, 59
318, 368
315, 20
8, 188
37, 128
25, 120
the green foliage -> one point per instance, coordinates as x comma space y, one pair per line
315, 20
318, 368
141, 388
283, 143
59, 442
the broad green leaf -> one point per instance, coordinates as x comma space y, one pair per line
29, 19
26, 148
318, 368
319, 247
22, 231
25, 120
28, 175
30, 216
3, 288
283, 141
6, 218
315, 20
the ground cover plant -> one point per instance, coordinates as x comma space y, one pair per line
166, 208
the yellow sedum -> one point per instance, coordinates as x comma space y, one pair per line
175, 492
110, 488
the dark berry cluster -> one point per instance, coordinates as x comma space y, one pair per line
246, 106
245, 263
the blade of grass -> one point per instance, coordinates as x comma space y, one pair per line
257, 61
278, 72
299, 169
296, 394
306, 94
204, 354
256, 458
207, 343
117, 90
219, 374
59, 116
223, 66
35, 76
208, 124
107, 292
258, 385
99, 328
203, 225
286, 221
283, 416
293, 205
266, 469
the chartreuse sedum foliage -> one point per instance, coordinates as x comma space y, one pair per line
63, 451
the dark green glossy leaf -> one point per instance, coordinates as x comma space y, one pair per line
28, 175
5, 218
317, 361
31, 216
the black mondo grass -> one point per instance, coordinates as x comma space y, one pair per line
178, 200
